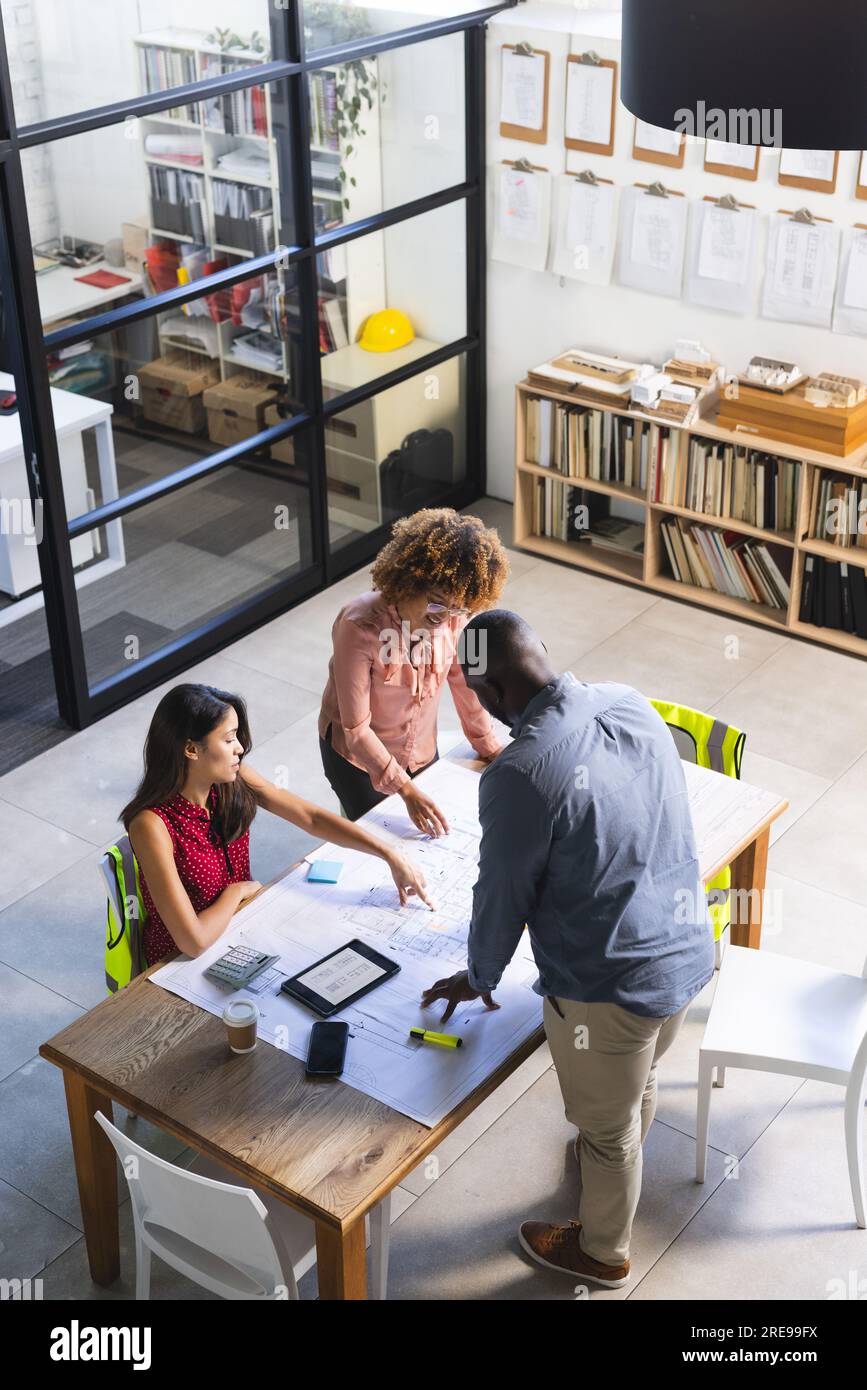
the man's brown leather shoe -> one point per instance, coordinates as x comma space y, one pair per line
558, 1248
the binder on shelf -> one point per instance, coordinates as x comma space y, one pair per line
861, 177
591, 102
524, 93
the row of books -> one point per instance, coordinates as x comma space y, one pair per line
834, 594
323, 110
727, 562
574, 514
579, 441
235, 113
166, 67
838, 509
728, 480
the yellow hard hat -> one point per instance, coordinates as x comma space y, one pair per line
386, 330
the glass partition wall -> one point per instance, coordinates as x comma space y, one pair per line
242, 276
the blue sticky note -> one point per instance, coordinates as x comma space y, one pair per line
324, 871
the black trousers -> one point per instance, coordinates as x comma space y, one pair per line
352, 785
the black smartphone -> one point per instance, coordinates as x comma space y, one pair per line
327, 1050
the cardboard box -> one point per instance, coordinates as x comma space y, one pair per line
135, 241
792, 419
172, 388
236, 407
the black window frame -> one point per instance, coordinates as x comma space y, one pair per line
79, 703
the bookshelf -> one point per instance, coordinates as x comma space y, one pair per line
232, 220
652, 569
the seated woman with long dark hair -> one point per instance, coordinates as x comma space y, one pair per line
189, 821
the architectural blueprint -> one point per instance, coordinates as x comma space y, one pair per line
301, 921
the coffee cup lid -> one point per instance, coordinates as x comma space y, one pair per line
240, 1011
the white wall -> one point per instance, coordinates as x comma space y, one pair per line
531, 316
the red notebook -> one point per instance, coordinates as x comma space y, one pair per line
103, 279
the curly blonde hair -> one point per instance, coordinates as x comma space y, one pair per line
439, 549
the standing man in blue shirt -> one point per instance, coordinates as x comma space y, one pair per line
587, 838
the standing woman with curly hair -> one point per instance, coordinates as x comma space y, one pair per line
394, 648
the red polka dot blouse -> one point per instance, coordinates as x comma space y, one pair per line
200, 860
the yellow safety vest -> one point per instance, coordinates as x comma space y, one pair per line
702, 739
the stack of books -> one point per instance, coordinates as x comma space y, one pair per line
838, 509
834, 594
575, 514
727, 562
578, 441
728, 480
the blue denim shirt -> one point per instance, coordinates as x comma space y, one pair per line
587, 837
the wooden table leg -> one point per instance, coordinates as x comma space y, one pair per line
749, 871
341, 1262
96, 1170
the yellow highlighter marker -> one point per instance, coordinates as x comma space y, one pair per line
442, 1039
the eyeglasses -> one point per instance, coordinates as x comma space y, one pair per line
437, 609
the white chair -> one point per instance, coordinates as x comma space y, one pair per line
775, 1013
238, 1242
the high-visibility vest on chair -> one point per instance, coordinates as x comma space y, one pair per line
125, 916
702, 739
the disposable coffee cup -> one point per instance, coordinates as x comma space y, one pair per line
241, 1018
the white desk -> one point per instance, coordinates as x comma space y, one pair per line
63, 296
19, 557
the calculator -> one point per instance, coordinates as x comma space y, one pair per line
239, 966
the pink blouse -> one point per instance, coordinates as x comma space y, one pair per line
382, 705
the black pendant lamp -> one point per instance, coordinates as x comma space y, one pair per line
791, 73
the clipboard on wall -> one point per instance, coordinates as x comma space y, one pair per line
522, 214
815, 185
658, 152
861, 179
722, 266
723, 165
589, 120
850, 301
512, 99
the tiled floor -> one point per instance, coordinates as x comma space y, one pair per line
774, 1218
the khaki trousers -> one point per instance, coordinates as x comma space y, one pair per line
606, 1057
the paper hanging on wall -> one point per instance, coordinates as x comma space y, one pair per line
724, 152
654, 137
808, 164
801, 271
589, 91
522, 217
855, 287
652, 242
722, 265
522, 101
655, 232
850, 310
586, 230
724, 244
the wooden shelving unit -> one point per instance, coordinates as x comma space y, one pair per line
651, 571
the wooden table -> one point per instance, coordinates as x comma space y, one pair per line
327, 1150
